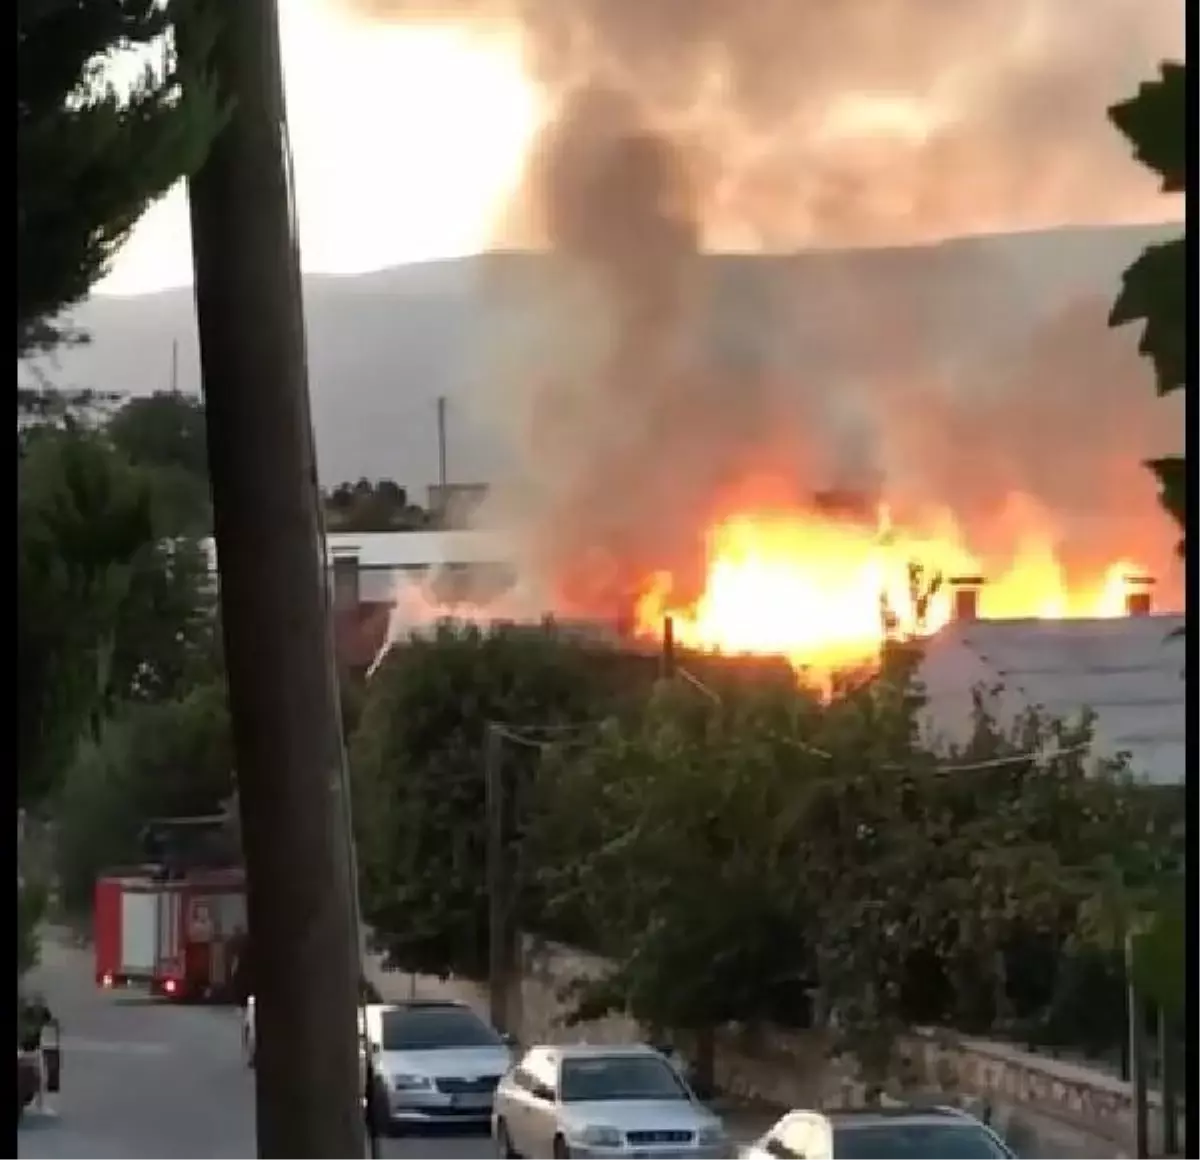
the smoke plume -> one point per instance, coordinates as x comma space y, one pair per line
659, 388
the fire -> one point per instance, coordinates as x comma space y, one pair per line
825, 593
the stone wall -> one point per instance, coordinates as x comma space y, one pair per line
1045, 1107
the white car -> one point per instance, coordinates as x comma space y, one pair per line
433, 1063
603, 1101
887, 1133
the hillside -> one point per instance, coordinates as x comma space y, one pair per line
383, 346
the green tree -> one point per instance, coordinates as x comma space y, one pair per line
90, 158
819, 860
173, 758
1154, 292
1154, 289
418, 764
165, 434
364, 506
83, 516
111, 610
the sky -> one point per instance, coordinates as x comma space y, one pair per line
410, 141
376, 184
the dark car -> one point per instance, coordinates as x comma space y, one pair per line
899, 1133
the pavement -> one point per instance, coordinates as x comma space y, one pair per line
146, 1078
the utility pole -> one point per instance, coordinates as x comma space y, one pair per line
443, 475
282, 684
1169, 1083
501, 940
667, 656
1137, 1052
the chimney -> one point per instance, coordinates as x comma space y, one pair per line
1138, 595
345, 581
966, 591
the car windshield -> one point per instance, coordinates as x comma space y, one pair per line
915, 1142
619, 1077
432, 1028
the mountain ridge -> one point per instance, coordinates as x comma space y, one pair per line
384, 345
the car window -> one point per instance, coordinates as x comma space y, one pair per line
432, 1028
916, 1142
619, 1077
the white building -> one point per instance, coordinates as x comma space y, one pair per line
382, 557
1128, 670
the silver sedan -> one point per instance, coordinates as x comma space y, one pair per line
602, 1101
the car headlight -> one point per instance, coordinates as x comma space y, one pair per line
411, 1083
712, 1136
601, 1136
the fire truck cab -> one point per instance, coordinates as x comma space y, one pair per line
169, 923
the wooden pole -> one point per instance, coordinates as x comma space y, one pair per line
1137, 1055
282, 682
499, 957
668, 648
1169, 1084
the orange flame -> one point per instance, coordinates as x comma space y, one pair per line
827, 593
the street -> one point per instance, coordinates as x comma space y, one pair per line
147, 1079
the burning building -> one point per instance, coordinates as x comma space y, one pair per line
805, 479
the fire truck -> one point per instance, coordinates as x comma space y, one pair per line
169, 924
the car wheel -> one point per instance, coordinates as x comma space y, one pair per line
504, 1148
561, 1151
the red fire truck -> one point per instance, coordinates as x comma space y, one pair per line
167, 924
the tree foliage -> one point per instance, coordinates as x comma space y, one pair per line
173, 758
1154, 288
418, 763
817, 861
756, 853
111, 609
382, 506
82, 518
165, 433
92, 158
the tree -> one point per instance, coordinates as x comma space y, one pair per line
822, 863
82, 517
91, 159
111, 609
165, 433
1154, 291
1154, 288
364, 506
171, 759
417, 761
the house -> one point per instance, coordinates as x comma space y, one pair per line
1128, 670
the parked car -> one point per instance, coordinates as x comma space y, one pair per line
368, 993
433, 1062
602, 1101
891, 1133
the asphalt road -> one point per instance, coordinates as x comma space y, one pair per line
148, 1079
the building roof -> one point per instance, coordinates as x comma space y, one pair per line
412, 549
1128, 670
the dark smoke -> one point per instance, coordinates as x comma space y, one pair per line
771, 93
659, 384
